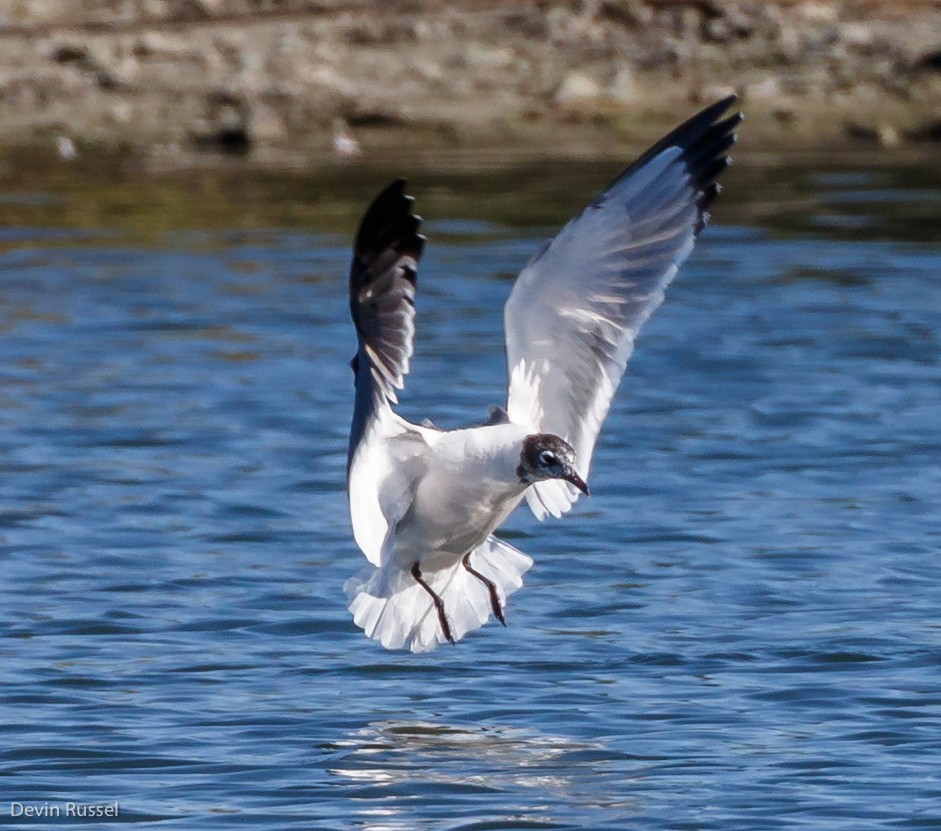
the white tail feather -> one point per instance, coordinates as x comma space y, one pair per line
394, 609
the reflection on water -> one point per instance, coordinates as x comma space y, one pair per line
738, 630
425, 758
532, 760
853, 197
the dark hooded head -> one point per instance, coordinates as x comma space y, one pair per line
545, 456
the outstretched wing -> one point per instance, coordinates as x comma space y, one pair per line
382, 289
382, 304
576, 308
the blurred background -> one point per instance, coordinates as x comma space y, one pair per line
290, 79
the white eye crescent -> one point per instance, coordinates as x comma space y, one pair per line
547, 458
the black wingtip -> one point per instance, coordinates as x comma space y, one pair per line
706, 140
389, 222
383, 278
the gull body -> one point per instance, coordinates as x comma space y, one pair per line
425, 502
468, 489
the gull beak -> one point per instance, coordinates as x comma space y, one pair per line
571, 476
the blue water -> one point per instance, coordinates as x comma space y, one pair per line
739, 630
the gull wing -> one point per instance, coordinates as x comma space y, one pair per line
382, 304
577, 306
384, 471
382, 290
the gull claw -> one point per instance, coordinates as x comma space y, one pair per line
491, 587
439, 603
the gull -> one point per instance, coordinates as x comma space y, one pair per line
66, 149
424, 502
344, 143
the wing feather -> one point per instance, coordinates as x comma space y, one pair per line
382, 288
384, 453
576, 308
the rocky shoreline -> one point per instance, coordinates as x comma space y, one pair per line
293, 80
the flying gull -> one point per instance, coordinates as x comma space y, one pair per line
425, 502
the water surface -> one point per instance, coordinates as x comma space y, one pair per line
739, 630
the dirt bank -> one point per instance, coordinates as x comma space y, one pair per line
294, 79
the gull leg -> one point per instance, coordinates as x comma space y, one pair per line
439, 603
491, 587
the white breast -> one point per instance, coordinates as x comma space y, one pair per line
470, 487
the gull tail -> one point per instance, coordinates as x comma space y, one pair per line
390, 604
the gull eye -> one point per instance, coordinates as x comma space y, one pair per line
547, 458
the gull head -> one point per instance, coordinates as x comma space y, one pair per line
545, 456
